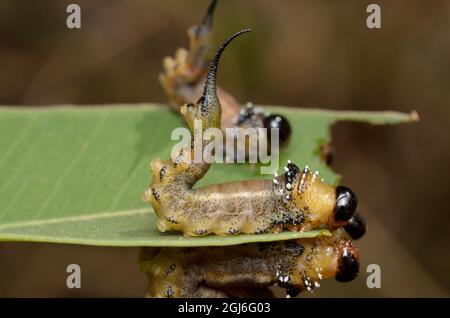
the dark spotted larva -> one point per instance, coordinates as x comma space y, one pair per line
297, 200
295, 265
183, 78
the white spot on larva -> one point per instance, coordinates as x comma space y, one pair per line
302, 182
288, 186
275, 181
283, 279
345, 253
316, 284
289, 161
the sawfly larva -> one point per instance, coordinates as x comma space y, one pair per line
295, 201
182, 81
296, 265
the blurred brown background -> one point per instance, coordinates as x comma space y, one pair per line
301, 53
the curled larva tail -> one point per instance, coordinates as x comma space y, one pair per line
208, 109
183, 82
295, 265
183, 76
200, 38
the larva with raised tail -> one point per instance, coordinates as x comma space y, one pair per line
183, 78
296, 265
296, 200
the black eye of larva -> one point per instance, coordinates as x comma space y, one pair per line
280, 122
348, 267
356, 226
346, 203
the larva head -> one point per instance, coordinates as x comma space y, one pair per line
321, 203
208, 108
348, 262
345, 207
337, 257
319, 258
356, 226
281, 123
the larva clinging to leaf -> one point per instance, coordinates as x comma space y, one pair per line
295, 265
183, 78
296, 200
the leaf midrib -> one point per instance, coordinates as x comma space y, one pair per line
76, 218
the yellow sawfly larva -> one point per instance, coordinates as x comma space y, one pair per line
183, 78
295, 201
296, 265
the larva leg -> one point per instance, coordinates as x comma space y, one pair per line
295, 265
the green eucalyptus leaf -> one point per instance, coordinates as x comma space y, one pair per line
76, 174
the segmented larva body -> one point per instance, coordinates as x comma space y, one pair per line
183, 78
295, 201
295, 265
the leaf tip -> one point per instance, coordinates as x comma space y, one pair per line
414, 115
